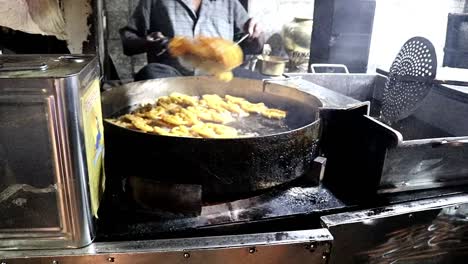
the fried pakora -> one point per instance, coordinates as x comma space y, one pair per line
214, 56
211, 130
274, 113
190, 116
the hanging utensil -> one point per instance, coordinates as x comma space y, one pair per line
403, 95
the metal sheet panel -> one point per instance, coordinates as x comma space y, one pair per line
426, 231
311, 246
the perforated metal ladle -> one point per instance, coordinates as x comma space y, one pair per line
411, 77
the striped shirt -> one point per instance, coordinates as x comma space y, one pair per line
216, 18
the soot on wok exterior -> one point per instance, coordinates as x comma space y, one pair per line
225, 168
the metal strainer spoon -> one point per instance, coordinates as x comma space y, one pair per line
404, 91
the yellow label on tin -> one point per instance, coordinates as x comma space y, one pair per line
94, 143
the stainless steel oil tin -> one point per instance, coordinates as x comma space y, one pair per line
51, 151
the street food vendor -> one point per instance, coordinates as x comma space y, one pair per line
154, 22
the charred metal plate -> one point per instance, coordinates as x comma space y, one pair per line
120, 223
425, 231
308, 246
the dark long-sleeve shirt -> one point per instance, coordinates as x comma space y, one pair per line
216, 18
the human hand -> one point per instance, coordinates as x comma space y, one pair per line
156, 40
155, 37
253, 28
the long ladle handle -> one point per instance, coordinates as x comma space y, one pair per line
409, 78
242, 39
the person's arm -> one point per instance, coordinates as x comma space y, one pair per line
136, 37
244, 24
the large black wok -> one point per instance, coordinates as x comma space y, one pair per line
225, 168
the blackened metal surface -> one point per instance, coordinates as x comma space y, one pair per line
173, 198
119, 221
226, 168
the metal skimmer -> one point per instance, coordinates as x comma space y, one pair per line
417, 58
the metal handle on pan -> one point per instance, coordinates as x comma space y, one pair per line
7, 66
325, 65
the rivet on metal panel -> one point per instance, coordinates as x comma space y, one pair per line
311, 246
186, 255
252, 250
111, 259
327, 248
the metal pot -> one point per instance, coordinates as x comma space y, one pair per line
225, 168
272, 65
297, 37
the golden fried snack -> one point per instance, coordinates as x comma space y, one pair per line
201, 112
235, 108
155, 113
253, 108
143, 108
183, 99
163, 99
224, 131
139, 123
210, 115
161, 131
214, 131
170, 107
181, 131
121, 123
233, 99
204, 131
274, 113
162, 124
215, 56
176, 120
190, 117
184, 116
215, 102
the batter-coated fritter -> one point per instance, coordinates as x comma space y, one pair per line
188, 116
183, 99
274, 113
215, 131
253, 108
155, 113
176, 120
233, 99
181, 131
211, 115
161, 131
139, 123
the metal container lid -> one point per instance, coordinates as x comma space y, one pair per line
42, 66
